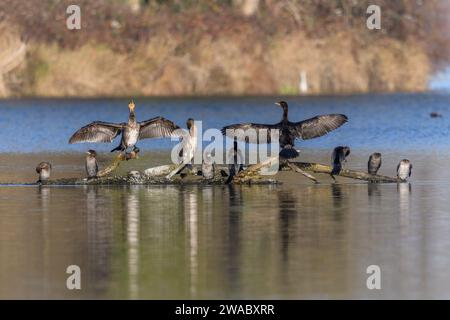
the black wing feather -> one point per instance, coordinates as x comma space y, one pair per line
97, 131
241, 131
319, 125
156, 128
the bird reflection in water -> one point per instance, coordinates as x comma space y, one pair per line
337, 195
133, 219
44, 197
287, 204
234, 238
191, 219
100, 236
44, 194
373, 190
404, 195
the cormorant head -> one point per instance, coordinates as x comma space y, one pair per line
376, 155
405, 162
346, 151
189, 123
43, 166
91, 153
131, 106
282, 104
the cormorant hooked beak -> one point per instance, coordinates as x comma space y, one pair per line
189, 123
131, 105
278, 104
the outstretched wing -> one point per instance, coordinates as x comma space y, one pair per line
319, 125
249, 132
156, 128
97, 132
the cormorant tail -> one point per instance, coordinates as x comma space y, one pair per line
119, 148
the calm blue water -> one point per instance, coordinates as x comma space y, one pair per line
294, 240
385, 121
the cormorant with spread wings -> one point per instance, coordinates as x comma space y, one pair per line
289, 131
131, 131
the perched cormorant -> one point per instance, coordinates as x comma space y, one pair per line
91, 164
132, 131
189, 142
44, 170
235, 161
289, 131
338, 157
208, 167
188, 147
404, 169
374, 163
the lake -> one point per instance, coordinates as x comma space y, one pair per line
296, 240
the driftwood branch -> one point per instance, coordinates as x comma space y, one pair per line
250, 175
252, 172
347, 173
116, 162
295, 168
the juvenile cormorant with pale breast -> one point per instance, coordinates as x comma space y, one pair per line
91, 164
189, 142
208, 166
404, 169
289, 131
44, 169
131, 131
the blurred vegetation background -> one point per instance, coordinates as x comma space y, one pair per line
237, 47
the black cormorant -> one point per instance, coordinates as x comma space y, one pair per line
338, 157
374, 163
289, 131
235, 162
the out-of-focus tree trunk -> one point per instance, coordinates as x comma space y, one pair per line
135, 5
12, 53
247, 7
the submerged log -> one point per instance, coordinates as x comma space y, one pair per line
297, 169
251, 175
347, 173
159, 176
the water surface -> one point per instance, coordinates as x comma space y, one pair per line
295, 240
